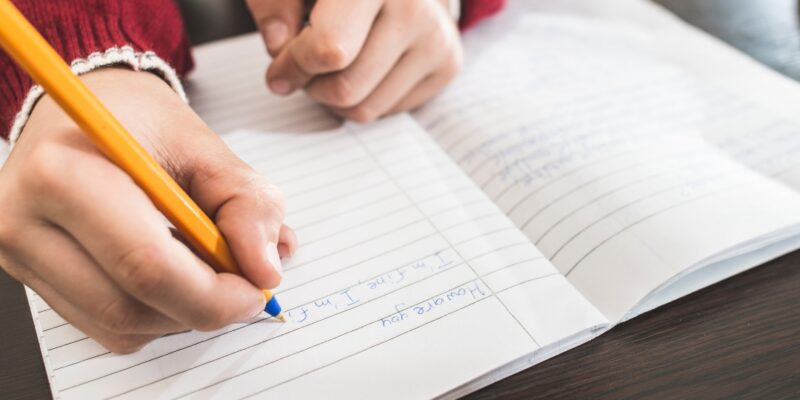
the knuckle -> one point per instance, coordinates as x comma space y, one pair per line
139, 269
452, 66
409, 10
362, 114
45, 172
120, 316
341, 92
418, 10
273, 192
269, 196
437, 39
329, 53
124, 344
443, 40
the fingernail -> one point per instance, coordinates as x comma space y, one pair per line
276, 33
280, 86
274, 258
283, 250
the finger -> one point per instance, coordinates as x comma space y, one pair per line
428, 88
119, 343
60, 261
288, 242
410, 71
386, 44
331, 42
246, 208
335, 34
128, 238
285, 75
114, 342
277, 20
418, 76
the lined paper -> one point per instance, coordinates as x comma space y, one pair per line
619, 145
404, 263
624, 169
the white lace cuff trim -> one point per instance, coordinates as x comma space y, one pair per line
147, 61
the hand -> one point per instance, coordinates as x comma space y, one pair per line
78, 231
362, 58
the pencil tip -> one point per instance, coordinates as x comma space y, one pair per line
281, 317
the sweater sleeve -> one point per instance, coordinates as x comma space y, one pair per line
472, 11
95, 33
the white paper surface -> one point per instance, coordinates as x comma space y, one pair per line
624, 163
402, 260
644, 153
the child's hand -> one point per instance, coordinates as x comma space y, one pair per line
362, 58
77, 230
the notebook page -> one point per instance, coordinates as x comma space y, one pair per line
622, 165
772, 98
228, 89
404, 266
738, 74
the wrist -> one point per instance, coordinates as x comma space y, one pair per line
140, 100
125, 57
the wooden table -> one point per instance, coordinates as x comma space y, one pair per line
739, 338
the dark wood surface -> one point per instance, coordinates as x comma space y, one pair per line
737, 339
22, 374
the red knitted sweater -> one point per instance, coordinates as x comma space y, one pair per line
79, 28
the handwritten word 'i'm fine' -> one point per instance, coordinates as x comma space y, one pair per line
372, 288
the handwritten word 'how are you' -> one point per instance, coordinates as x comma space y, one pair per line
442, 303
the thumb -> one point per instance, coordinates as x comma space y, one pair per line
278, 20
246, 208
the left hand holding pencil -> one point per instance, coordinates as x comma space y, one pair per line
80, 233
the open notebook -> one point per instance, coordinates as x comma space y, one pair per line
594, 161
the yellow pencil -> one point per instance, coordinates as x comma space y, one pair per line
32, 52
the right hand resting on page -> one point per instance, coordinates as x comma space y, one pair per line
78, 231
